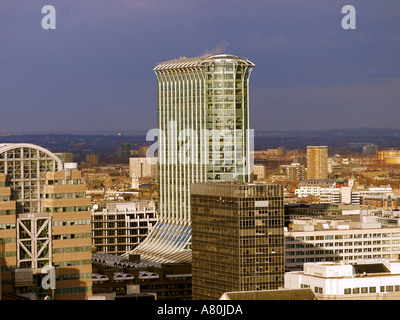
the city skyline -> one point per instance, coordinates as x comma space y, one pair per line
94, 71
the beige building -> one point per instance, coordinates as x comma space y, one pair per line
142, 168
294, 171
317, 162
44, 225
260, 172
93, 159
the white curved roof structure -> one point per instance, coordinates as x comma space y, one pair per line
148, 275
96, 277
26, 166
184, 62
10, 146
120, 276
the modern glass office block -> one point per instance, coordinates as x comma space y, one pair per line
203, 122
237, 238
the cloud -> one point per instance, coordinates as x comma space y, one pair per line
220, 48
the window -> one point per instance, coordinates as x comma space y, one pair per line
318, 290
364, 290
372, 289
347, 291
356, 290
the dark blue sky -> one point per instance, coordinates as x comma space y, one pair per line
94, 71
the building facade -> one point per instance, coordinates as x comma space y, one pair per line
317, 162
260, 172
45, 224
318, 240
203, 124
238, 238
120, 227
369, 279
370, 149
312, 188
142, 168
130, 276
294, 171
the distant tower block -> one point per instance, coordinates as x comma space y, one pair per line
317, 162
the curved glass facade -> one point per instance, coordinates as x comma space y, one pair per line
203, 136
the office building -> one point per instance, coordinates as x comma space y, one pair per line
294, 171
343, 238
117, 277
93, 159
204, 136
120, 227
382, 201
142, 168
142, 152
8, 222
65, 157
307, 188
370, 149
124, 150
317, 162
44, 223
260, 172
365, 279
274, 295
352, 195
238, 238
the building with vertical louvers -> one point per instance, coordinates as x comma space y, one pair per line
203, 136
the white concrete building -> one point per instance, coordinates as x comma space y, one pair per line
377, 279
313, 187
328, 192
122, 226
318, 240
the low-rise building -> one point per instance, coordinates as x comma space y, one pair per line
345, 238
372, 279
121, 277
121, 226
313, 187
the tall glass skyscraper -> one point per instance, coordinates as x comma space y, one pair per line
203, 136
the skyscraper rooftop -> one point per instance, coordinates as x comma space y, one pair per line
185, 62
